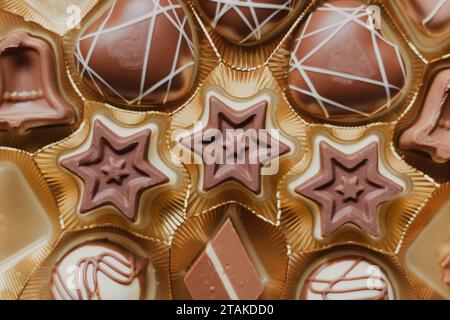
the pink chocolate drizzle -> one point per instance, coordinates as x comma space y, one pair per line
330, 289
87, 270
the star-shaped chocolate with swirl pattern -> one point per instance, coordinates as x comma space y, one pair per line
115, 170
349, 189
239, 142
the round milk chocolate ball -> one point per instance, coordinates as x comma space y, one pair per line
247, 22
342, 66
138, 53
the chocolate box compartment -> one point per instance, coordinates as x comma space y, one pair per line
173, 71
237, 100
264, 244
117, 170
319, 213
56, 15
424, 251
29, 220
38, 106
416, 127
425, 24
331, 77
336, 273
102, 262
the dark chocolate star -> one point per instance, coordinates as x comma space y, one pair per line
115, 170
241, 131
349, 189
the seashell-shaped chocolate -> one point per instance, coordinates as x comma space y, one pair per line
139, 53
247, 22
342, 67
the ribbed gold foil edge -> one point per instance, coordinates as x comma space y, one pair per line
15, 277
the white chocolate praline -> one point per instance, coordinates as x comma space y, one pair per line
347, 278
99, 270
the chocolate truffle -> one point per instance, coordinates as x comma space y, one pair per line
349, 189
244, 143
342, 68
433, 16
348, 278
431, 131
224, 271
444, 260
139, 52
115, 170
246, 22
30, 95
99, 270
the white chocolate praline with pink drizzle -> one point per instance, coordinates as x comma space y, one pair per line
444, 259
99, 270
349, 277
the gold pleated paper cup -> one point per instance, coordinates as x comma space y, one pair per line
263, 241
250, 55
205, 61
160, 203
425, 243
279, 64
155, 284
29, 220
32, 133
429, 46
238, 89
417, 156
303, 265
305, 222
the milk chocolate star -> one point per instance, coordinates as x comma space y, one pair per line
349, 188
115, 170
444, 261
240, 131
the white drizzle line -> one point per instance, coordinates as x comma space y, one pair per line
253, 24
169, 11
351, 15
434, 12
221, 272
